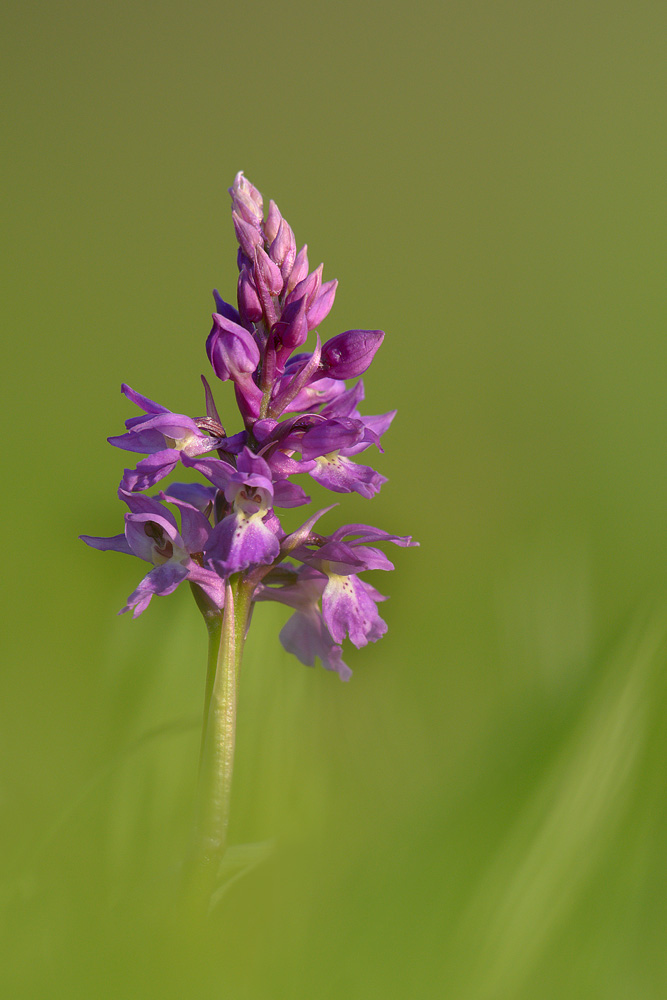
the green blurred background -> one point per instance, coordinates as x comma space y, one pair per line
480, 814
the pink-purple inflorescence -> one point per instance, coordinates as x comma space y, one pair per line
299, 417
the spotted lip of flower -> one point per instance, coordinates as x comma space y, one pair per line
162, 436
151, 533
349, 604
249, 535
328, 574
305, 634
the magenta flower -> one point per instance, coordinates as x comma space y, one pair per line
298, 417
162, 436
349, 604
305, 634
151, 533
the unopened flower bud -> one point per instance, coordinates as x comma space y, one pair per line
250, 307
299, 270
283, 249
246, 200
350, 353
291, 331
273, 220
267, 274
322, 303
231, 350
308, 288
248, 236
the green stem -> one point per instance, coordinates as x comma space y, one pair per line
214, 644
226, 640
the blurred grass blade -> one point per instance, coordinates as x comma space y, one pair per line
564, 834
82, 797
238, 861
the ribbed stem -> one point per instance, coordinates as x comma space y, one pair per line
226, 640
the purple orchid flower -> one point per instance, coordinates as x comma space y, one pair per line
305, 634
152, 534
162, 436
249, 534
298, 417
349, 604
328, 441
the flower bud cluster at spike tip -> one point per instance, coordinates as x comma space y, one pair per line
298, 417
